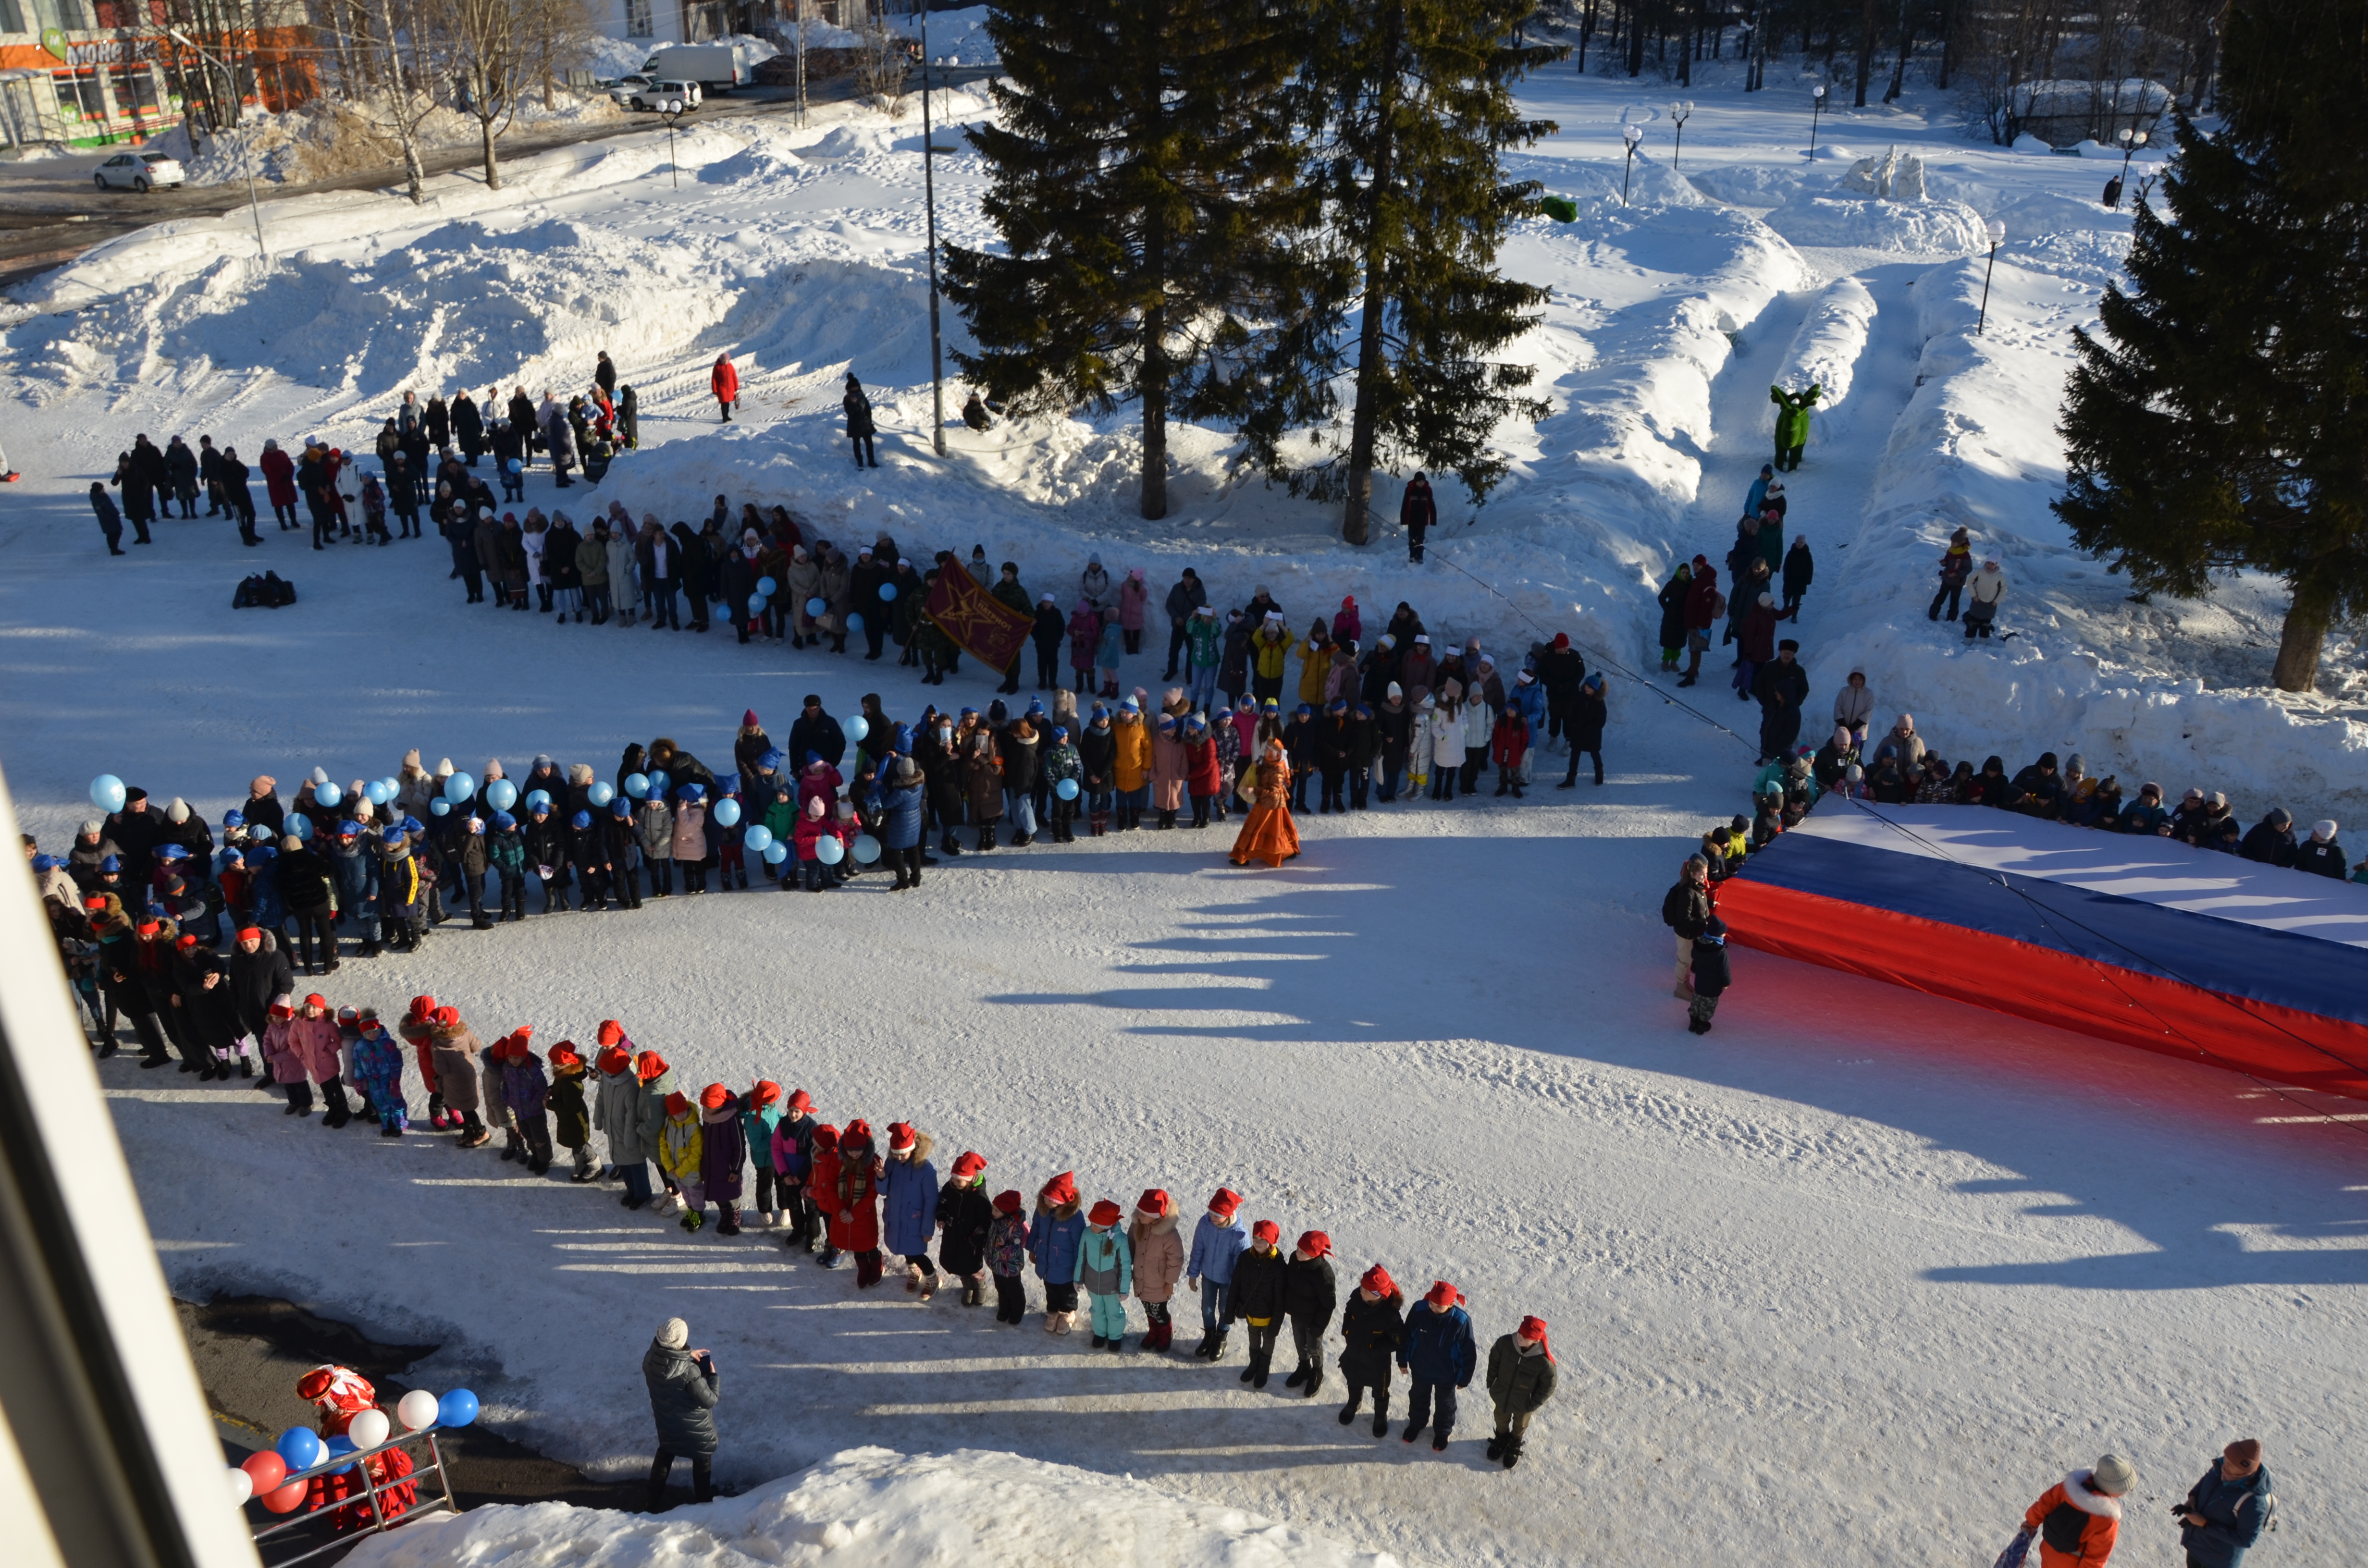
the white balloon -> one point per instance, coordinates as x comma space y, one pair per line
417, 1410
241, 1484
369, 1428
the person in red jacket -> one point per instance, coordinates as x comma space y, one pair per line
855, 1203
1704, 603
2078, 1518
726, 384
1204, 774
340, 1393
279, 483
1507, 747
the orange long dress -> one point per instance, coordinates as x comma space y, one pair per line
1267, 832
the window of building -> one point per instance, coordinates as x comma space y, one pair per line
638, 23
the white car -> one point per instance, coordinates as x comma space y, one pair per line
622, 90
651, 95
138, 171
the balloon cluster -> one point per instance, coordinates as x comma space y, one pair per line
264, 1476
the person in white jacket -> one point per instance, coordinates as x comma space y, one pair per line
1446, 726
1477, 723
624, 572
1854, 707
1987, 589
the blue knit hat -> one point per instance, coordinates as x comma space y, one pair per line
581, 820
504, 819
691, 792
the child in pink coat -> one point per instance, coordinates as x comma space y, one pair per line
314, 1035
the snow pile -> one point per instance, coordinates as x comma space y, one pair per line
1825, 351
325, 137
956, 38
1749, 184
261, 146
873, 1508
1923, 228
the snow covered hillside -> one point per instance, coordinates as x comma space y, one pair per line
1852, 1279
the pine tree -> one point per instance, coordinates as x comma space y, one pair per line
1412, 102
1145, 187
2221, 420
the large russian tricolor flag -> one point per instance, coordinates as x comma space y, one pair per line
2141, 940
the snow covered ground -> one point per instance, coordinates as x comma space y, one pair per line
1860, 1269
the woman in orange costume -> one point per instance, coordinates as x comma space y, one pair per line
1268, 834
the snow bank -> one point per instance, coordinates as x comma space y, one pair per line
874, 1509
1825, 351
1913, 228
956, 38
1749, 185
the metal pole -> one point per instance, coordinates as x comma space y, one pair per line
1627, 169
929, 200
1983, 320
254, 207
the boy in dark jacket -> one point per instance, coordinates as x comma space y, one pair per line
2225, 1512
1439, 1357
1258, 1297
571, 1117
965, 1218
1521, 1381
1310, 1295
1372, 1325
1710, 975
1007, 1259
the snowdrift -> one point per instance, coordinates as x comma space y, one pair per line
873, 1508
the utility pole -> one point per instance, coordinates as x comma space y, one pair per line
929, 200
1996, 232
254, 207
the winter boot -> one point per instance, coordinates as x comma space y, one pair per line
1117, 1343
1496, 1447
729, 1225
1217, 1346
1349, 1411
928, 1285
513, 1145
912, 1279
1297, 1376
693, 1220
1512, 1452
1053, 1323
986, 837
1381, 1415
1099, 823
1201, 1351
1314, 1378
1439, 1440
1100, 1342
946, 845
584, 1171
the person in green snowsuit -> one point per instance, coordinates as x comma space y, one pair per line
1792, 424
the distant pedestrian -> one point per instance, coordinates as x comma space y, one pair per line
1710, 975
860, 429
1792, 424
1956, 566
683, 1389
1417, 514
110, 521
725, 382
1988, 588
1800, 570
1686, 909
1521, 1375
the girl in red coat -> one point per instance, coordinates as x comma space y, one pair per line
822, 1183
1203, 773
855, 1222
341, 1393
1507, 747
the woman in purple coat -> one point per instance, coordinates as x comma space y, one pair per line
722, 1150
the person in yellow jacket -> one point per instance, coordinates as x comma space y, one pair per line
1316, 653
1270, 647
1131, 763
680, 1145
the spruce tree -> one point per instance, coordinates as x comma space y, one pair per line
1411, 102
1144, 183
2221, 419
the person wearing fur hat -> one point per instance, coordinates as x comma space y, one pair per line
966, 1218
1438, 1357
571, 1116
2079, 1519
793, 1153
723, 1151
1217, 1244
680, 1147
760, 1117
2223, 1513
853, 1200
1256, 1297
908, 1191
1105, 1272
1007, 1258
684, 1388
1310, 1295
1053, 1238
1158, 1252
1373, 1328
1521, 1381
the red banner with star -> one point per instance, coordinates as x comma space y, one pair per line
988, 630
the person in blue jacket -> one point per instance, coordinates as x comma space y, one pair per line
909, 1219
900, 821
2226, 1512
1218, 1242
1054, 1237
1438, 1357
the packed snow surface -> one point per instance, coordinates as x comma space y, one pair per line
1859, 1268
871, 1507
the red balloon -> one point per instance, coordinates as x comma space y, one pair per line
265, 1468
288, 1499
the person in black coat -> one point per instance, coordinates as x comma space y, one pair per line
815, 730
1373, 1328
619, 843
2272, 841
1584, 729
110, 521
1781, 686
1050, 631
545, 842
684, 1388
468, 426
1417, 514
305, 883
1259, 1296
1310, 1295
965, 1214
137, 829
1799, 570
2321, 855
1560, 669
259, 971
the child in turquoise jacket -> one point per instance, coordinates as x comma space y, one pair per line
1106, 1273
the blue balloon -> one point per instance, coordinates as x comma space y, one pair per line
1067, 788
854, 622
768, 588
340, 1444
439, 808
855, 729
866, 848
776, 853
726, 812
327, 794
299, 825
501, 794
540, 798
107, 792
658, 782
636, 785
301, 1446
601, 794
829, 851
378, 792
817, 604
459, 787
758, 837
456, 1409
887, 593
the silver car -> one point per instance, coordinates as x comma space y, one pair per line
139, 170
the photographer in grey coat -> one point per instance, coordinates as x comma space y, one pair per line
683, 1389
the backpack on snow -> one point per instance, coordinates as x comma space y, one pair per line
268, 590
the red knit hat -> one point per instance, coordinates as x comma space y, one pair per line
316, 1000
900, 1137
1535, 1328
826, 1139
614, 1059
1009, 1202
281, 1010
765, 1093
715, 1096
649, 1065
1105, 1213
1155, 1200
856, 1131
612, 1031
748, 719
968, 1163
1442, 1294
565, 1054
1315, 1243
1266, 1231
675, 1105
1061, 1188
449, 1017
1225, 1202
801, 1100
422, 1008
1377, 1279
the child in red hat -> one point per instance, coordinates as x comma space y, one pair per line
1256, 1297
966, 1216
760, 1117
1054, 1237
1437, 1354
679, 1150
1007, 1258
1373, 1327
1521, 1381
1309, 1295
1158, 1260
723, 1151
1217, 1243
571, 1117
1106, 1273
794, 1171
